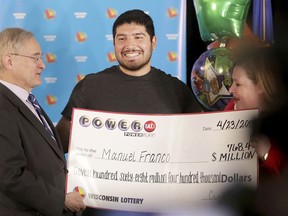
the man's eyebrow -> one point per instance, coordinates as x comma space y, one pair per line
135, 34
38, 53
120, 35
140, 33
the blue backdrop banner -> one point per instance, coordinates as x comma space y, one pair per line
76, 39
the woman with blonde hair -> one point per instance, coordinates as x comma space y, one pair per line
260, 82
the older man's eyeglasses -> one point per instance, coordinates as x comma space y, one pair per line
35, 58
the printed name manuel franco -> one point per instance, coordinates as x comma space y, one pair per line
143, 156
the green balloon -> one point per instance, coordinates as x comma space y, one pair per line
221, 19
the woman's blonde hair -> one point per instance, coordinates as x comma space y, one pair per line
266, 67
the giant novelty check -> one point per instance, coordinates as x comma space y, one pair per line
149, 162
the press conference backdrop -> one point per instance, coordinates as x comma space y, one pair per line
76, 39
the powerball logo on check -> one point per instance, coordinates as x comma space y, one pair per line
134, 129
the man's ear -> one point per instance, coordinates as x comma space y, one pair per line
154, 42
7, 61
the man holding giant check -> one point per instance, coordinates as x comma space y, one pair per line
145, 162
151, 162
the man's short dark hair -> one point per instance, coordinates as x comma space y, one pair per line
138, 17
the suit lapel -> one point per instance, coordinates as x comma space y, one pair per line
56, 146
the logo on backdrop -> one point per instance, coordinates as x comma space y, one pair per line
50, 57
79, 77
81, 36
111, 57
51, 99
111, 13
172, 56
172, 12
50, 14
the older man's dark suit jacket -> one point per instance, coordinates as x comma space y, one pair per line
32, 164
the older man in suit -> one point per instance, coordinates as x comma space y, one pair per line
32, 163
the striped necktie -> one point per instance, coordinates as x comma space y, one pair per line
36, 106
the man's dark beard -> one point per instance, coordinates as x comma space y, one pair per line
136, 66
